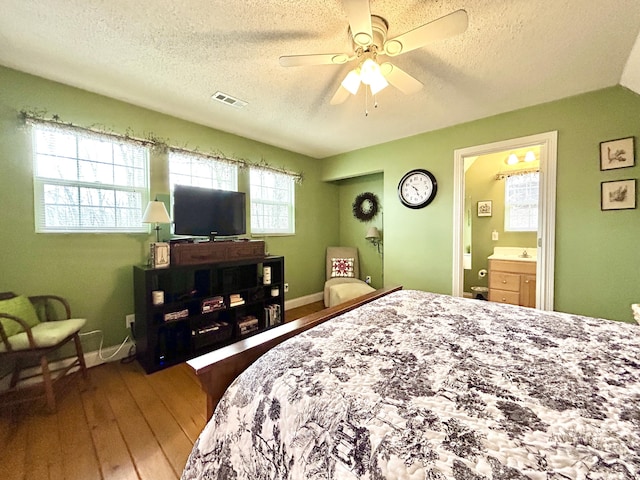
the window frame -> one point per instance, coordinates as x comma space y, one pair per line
41, 182
256, 202
533, 220
195, 158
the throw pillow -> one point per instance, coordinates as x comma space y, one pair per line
20, 307
342, 267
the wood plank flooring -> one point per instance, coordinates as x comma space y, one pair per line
122, 424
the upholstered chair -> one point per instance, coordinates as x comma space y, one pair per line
343, 276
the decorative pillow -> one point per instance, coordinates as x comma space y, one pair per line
342, 267
20, 307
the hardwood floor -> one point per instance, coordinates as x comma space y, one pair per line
122, 424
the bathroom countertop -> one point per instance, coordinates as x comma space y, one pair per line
514, 254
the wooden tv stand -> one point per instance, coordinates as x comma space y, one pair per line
218, 369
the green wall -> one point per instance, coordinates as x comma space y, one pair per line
597, 267
353, 231
94, 271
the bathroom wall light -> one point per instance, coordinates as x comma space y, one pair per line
513, 159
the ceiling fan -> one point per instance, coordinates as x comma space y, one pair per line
369, 34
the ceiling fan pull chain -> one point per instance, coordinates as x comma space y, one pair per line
366, 101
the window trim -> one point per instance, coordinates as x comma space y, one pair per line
41, 182
533, 219
291, 211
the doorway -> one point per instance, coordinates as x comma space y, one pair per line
547, 144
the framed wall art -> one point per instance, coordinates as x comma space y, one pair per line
618, 195
617, 153
484, 208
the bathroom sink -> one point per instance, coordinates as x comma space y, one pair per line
520, 254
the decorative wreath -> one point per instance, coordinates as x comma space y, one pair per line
365, 206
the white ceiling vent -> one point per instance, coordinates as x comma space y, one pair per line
229, 100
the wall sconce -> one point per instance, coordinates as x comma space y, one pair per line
373, 235
156, 213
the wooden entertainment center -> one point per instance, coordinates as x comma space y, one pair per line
212, 295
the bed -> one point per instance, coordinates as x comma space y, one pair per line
416, 385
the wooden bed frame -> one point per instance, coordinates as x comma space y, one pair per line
218, 369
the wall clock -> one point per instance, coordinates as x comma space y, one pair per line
365, 206
417, 188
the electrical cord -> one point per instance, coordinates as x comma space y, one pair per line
101, 342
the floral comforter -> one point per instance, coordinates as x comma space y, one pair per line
423, 386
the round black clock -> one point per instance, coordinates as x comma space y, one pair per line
417, 188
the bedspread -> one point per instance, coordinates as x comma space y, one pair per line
424, 386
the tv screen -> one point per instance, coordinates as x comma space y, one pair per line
199, 212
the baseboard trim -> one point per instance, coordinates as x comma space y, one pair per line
92, 359
301, 301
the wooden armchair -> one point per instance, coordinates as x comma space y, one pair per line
30, 329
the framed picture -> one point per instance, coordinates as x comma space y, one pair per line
617, 154
484, 208
618, 195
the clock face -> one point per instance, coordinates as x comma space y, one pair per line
417, 188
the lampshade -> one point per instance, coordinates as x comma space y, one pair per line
530, 156
156, 212
372, 234
352, 82
513, 159
378, 83
369, 71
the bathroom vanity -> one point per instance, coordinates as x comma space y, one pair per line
512, 277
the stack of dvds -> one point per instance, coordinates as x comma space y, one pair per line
248, 324
272, 315
235, 299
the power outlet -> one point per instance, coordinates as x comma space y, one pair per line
367, 279
286, 287
130, 319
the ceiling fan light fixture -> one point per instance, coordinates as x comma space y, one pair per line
352, 82
369, 71
378, 83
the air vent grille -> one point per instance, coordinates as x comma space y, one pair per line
229, 100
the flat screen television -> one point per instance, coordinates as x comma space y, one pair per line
203, 212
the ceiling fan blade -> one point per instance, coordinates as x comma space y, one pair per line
444, 27
359, 15
315, 59
340, 96
400, 79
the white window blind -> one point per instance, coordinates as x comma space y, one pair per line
85, 182
272, 202
191, 169
521, 202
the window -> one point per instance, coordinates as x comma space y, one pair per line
195, 170
85, 182
272, 202
521, 202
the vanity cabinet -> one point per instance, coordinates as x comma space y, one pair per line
512, 281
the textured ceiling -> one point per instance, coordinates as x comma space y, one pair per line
172, 55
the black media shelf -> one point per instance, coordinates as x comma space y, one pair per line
180, 328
